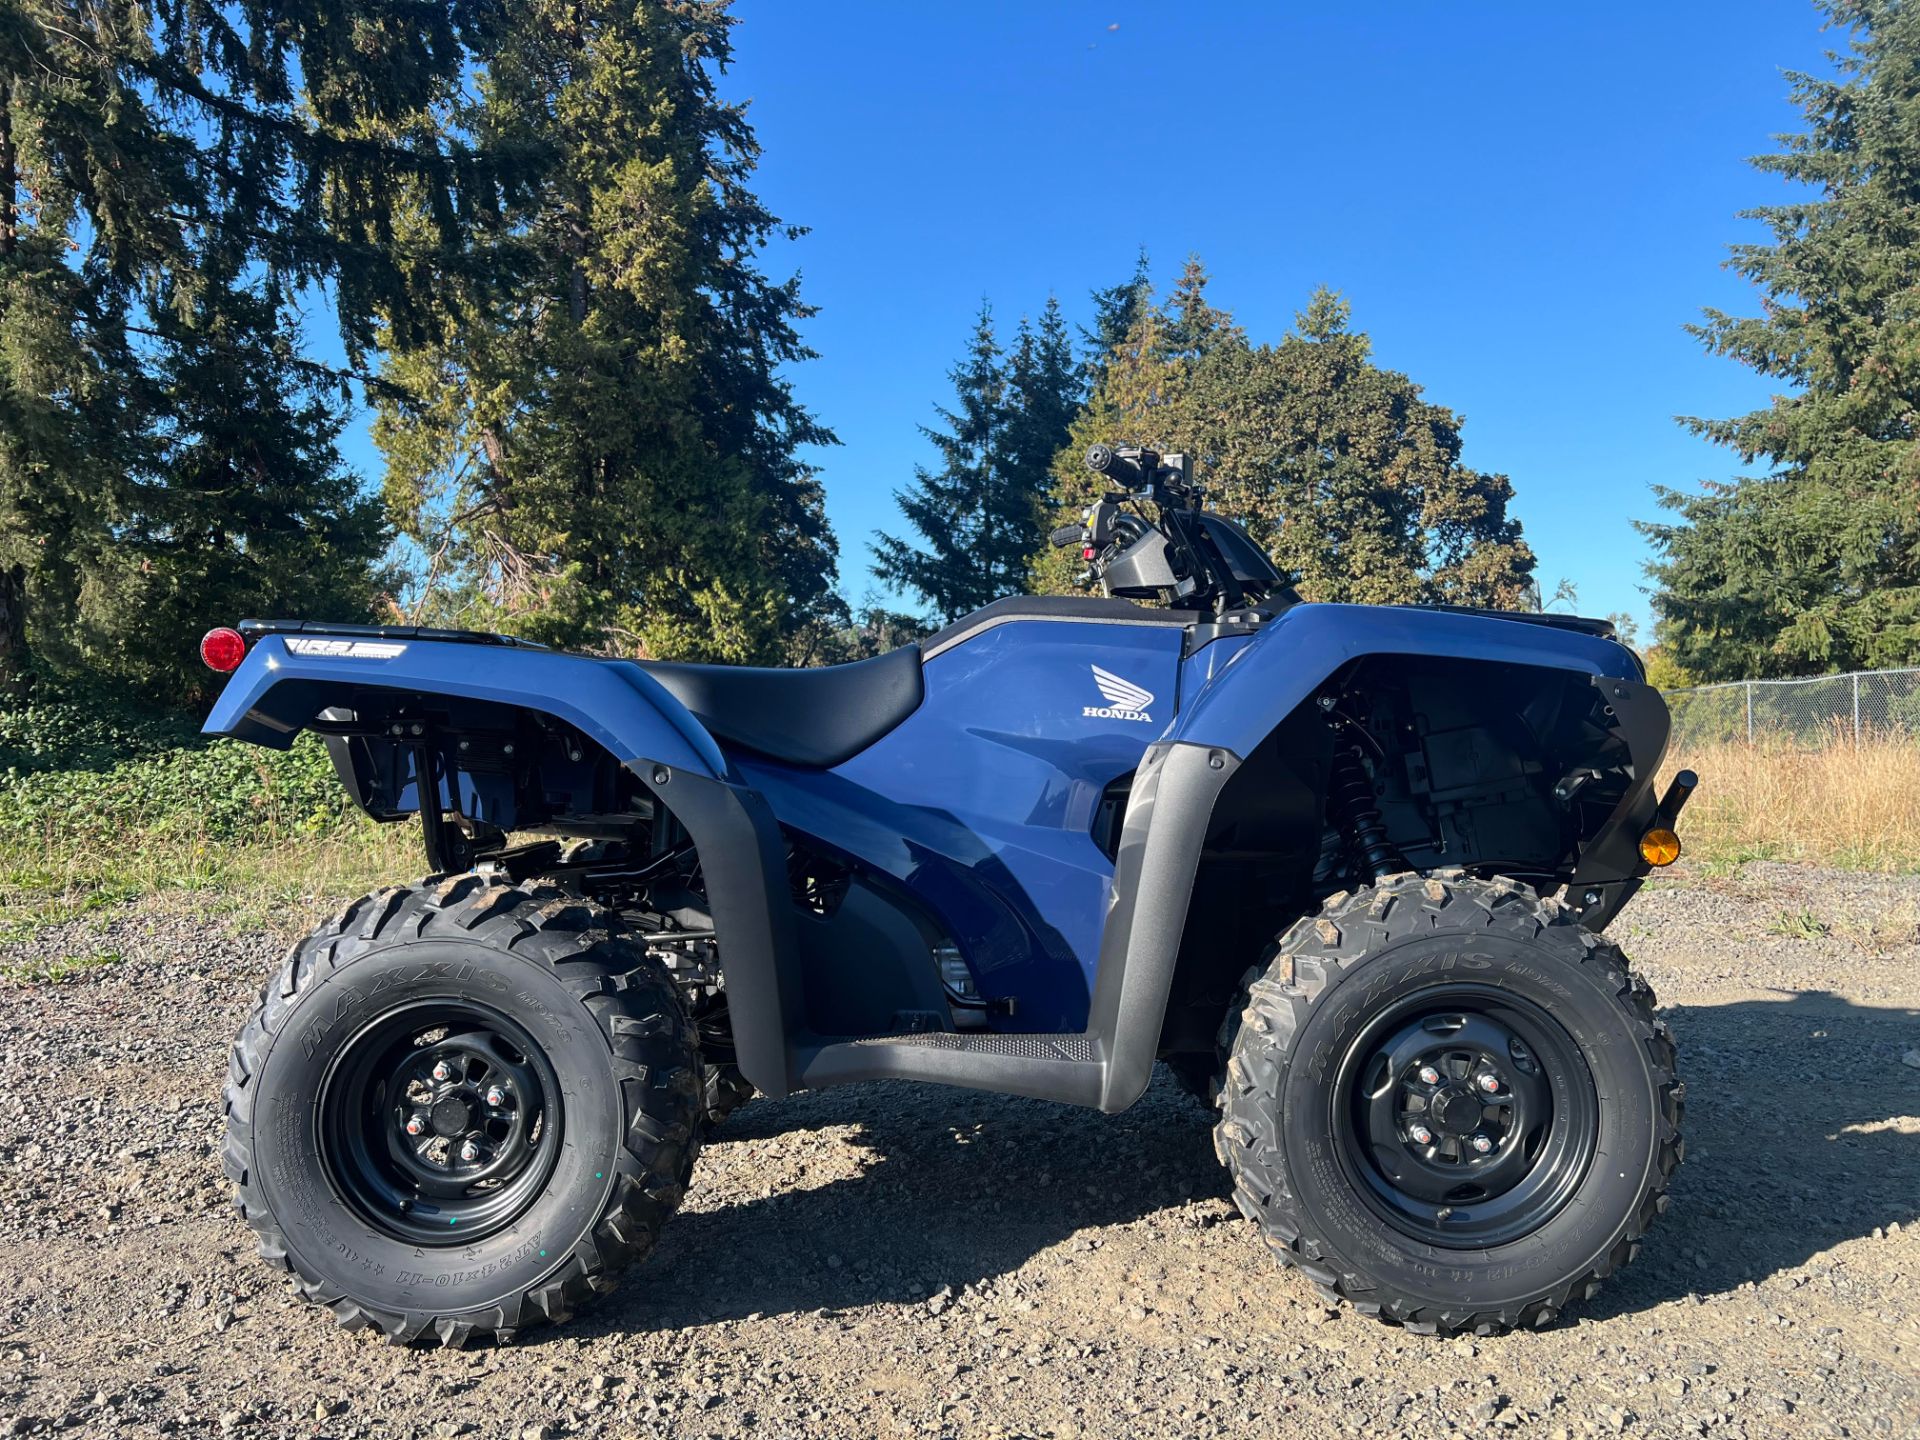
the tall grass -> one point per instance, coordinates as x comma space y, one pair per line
1851, 804
102, 801
279, 883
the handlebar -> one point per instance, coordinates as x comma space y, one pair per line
1132, 468
1194, 573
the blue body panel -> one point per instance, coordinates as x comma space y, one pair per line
981, 804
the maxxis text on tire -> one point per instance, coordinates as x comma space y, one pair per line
604, 1029
1297, 1081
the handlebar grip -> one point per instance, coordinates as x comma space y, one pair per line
1100, 458
1067, 535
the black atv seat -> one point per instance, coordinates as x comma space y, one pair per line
816, 717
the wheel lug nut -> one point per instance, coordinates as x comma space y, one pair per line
1421, 1134
1429, 1075
442, 1071
1481, 1144
496, 1097
469, 1152
415, 1125
1489, 1083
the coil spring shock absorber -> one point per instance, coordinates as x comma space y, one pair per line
1350, 801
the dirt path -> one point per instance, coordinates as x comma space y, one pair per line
893, 1261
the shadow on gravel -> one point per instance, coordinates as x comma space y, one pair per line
1802, 1133
955, 1189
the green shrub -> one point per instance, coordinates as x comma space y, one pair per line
76, 726
80, 767
218, 791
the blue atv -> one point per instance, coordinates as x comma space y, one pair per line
1345, 869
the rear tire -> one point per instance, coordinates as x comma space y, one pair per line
1449, 1104
551, 1080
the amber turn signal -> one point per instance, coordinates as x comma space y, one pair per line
1659, 847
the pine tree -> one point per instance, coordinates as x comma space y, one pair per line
80, 153
303, 120
977, 515
242, 505
1813, 564
1116, 309
70, 425
1194, 327
972, 551
603, 450
150, 159
1043, 395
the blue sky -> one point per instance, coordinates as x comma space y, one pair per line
1524, 203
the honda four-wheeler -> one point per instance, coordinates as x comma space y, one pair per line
1344, 868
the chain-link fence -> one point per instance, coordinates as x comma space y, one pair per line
1824, 710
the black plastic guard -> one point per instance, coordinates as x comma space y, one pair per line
1610, 868
1159, 855
743, 861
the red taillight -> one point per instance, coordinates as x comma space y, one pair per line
223, 649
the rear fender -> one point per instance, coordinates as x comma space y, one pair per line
278, 691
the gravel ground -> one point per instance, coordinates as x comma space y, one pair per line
896, 1261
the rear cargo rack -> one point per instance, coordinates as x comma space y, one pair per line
253, 628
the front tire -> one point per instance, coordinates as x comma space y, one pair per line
1449, 1104
462, 1108
726, 1090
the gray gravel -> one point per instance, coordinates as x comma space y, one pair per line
895, 1261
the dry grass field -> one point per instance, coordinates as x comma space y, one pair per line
1852, 806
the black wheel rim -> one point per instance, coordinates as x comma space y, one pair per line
1468, 1116
439, 1122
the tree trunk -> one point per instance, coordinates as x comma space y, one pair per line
13, 631
9, 172
13, 578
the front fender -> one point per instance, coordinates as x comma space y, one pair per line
1269, 675
277, 692
1266, 678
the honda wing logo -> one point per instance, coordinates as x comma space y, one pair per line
345, 649
1125, 700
